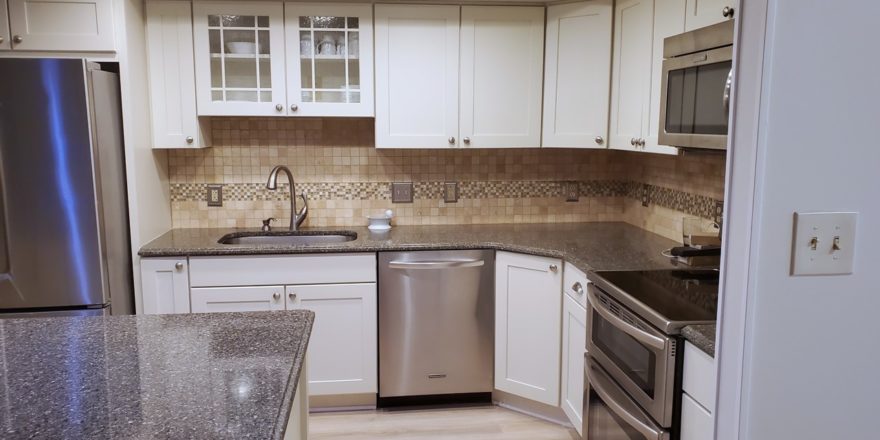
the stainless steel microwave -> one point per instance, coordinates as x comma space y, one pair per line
695, 88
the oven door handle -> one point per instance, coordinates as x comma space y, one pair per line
725, 97
598, 383
638, 334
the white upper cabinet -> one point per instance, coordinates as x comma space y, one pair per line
239, 58
631, 73
59, 25
172, 78
702, 13
528, 314
417, 51
502, 53
669, 20
329, 59
578, 74
5, 38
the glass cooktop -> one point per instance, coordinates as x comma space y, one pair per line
676, 297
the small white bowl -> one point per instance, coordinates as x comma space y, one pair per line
241, 47
381, 222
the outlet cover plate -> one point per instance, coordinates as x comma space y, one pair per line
572, 191
215, 195
450, 192
401, 192
813, 250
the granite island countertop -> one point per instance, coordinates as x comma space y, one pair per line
224, 375
588, 246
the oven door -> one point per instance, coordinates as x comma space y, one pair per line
638, 356
695, 99
610, 414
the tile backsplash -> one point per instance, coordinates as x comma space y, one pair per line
345, 177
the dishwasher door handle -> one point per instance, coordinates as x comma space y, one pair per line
440, 264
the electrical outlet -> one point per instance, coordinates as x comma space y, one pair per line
450, 192
824, 243
401, 192
572, 191
215, 195
719, 213
645, 198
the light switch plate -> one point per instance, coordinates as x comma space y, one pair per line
824, 243
401, 192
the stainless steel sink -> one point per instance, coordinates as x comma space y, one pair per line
299, 238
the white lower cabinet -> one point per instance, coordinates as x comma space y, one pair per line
343, 347
574, 340
237, 299
698, 394
165, 285
339, 288
528, 310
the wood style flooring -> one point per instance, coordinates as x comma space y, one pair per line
474, 423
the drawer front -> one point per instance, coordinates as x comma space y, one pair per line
574, 283
237, 299
696, 422
260, 270
699, 375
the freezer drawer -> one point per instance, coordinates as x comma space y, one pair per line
436, 322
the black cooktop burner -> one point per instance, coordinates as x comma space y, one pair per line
679, 297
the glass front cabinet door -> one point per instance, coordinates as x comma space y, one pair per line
329, 59
239, 58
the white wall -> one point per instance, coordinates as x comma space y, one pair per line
811, 347
149, 199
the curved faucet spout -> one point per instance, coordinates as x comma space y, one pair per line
296, 217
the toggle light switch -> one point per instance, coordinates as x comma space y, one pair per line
824, 243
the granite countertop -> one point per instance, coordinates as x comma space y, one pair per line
702, 336
587, 246
223, 375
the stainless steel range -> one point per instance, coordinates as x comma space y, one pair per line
632, 370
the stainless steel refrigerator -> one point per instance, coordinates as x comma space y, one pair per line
64, 239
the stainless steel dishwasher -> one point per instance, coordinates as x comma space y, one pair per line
436, 323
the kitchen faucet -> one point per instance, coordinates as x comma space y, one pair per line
296, 218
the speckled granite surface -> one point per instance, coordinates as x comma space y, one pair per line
702, 336
219, 376
589, 246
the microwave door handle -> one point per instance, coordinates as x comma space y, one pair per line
725, 97
638, 334
598, 383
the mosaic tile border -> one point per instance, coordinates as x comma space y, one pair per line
692, 204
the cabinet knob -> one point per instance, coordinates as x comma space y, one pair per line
17, 39
178, 265
467, 140
642, 142
276, 296
292, 296
632, 141
294, 107
578, 288
279, 107
727, 12
189, 139
554, 268
599, 140
451, 139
